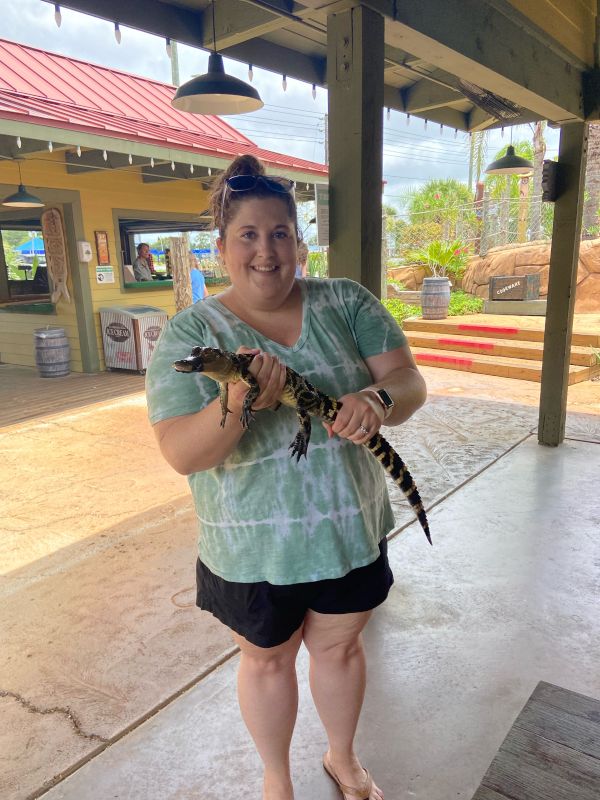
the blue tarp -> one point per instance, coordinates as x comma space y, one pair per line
33, 247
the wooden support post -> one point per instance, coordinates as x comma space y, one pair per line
564, 260
355, 82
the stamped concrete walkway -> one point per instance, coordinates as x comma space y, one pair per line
97, 601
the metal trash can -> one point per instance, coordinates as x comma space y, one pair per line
129, 335
52, 352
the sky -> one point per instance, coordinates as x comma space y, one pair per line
291, 121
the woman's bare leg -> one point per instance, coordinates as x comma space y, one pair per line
268, 698
337, 682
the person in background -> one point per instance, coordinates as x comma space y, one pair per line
302, 265
141, 268
168, 267
199, 290
288, 552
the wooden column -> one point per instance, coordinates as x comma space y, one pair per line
564, 259
355, 92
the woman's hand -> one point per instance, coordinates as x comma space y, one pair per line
270, 374
359, 418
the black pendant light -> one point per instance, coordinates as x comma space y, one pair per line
21, 198
215, 92
510, 164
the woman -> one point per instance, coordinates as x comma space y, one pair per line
287, 552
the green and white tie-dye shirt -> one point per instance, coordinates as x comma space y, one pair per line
261, 515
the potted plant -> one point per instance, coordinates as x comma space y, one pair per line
442, 260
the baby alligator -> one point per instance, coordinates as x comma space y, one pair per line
307, 401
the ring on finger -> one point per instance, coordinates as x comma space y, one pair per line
362, 429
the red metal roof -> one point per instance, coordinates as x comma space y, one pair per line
50, 89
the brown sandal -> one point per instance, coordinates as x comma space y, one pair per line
362, 794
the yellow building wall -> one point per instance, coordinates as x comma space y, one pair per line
571, 22
100, 193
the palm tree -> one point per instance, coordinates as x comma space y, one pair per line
539, 151
477, 155
591, 205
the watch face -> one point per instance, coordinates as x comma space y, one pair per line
387, 400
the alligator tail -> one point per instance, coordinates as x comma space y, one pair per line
398, 471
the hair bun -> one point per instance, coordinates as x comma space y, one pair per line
244, 165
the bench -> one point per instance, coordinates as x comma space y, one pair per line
552, 751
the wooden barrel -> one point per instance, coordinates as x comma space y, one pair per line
51, 352
435, 297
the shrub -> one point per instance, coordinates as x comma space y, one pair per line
443, 258
401, 311
463, 303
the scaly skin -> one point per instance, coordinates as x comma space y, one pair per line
307, 401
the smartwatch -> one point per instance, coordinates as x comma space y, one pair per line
384, 398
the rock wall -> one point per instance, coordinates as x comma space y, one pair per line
519, 259
529, 258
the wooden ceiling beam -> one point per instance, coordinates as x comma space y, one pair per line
473, 40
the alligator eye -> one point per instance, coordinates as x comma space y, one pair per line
196, 351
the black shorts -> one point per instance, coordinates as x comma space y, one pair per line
267, 614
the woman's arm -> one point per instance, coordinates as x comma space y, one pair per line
196, 442
397, 373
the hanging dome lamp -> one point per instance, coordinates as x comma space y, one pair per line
22, 198
510, 164
216, 92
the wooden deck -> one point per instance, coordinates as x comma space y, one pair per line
24, 395
552, 752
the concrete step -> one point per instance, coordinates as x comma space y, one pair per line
517, 307
533, 351
520, 368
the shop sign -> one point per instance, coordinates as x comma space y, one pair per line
322, 197
105, 274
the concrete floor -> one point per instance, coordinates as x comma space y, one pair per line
506, 598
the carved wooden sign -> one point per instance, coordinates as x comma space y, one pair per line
53, 231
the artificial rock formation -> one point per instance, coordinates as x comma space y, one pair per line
520, 259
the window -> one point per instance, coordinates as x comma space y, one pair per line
23, 271
157, 234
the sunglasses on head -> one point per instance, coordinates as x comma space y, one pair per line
246, 183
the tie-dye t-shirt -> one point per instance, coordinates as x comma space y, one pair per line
261, 515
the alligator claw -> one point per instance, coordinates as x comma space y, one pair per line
299, 446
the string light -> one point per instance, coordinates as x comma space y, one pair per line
407, 120
130, 159
307, 187
455, 132
105, 155
57, 15
152, 161
284, 82
502, 132
388, 114
192, 168
441, 129
425, 126
209, 171
117, 33
173, 166
50, 146
250, 73
78, 151
169, 47
19, 142
314, 91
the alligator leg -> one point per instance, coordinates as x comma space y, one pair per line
299, 446
253, 392
223, 395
